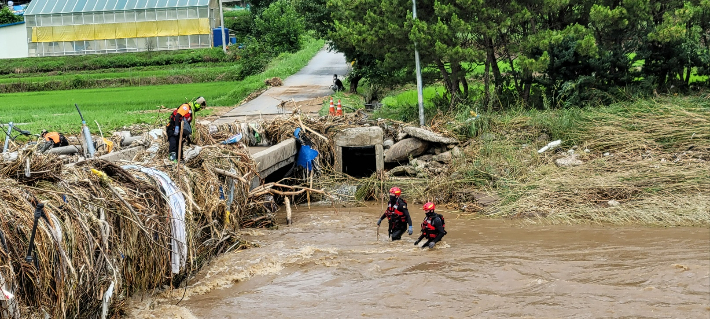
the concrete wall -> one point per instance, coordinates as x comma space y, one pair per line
13, 41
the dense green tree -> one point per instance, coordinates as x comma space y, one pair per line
279, 27
316, 15
6, 16
566, 51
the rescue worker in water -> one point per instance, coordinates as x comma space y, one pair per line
432, 227
183, 114
52, 139
397, 215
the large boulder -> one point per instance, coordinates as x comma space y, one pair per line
400, 151
429, 136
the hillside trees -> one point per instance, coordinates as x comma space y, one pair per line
567, 51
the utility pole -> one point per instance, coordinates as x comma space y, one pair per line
221, 14
420, 96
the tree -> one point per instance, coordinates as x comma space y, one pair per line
316, 15
280, 27
359, 30
6, 16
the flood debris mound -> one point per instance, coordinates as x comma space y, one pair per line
111, 229
275, 81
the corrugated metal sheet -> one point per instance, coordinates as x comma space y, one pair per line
69, 6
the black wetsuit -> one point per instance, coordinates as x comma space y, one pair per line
432, 235
397, 222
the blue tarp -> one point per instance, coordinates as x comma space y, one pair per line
305, 158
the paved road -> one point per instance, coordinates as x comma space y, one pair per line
310, 82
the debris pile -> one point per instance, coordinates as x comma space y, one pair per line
108, 230
275, 81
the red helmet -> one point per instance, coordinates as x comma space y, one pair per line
429, 206
396, 191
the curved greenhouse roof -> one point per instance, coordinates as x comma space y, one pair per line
71, 6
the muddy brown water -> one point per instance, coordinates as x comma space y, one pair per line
329, 264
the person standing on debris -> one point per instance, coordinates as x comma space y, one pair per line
432, 226
183, 114
397, 215
52, 139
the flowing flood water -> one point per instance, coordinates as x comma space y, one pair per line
329, 264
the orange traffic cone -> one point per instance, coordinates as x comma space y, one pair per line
331, 111
339, 111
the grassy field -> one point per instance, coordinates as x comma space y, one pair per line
651, 156
114, 108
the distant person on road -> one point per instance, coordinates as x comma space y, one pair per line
337, 84
432, 227
397, 215
52, 139
183, 114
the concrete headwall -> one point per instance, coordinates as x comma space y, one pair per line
13, 41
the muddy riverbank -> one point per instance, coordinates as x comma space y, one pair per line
329, 264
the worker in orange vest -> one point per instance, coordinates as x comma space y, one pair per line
52, 139
183, 114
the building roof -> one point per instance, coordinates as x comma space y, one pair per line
69, 6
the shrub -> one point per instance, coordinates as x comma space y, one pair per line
239, 22
6, 16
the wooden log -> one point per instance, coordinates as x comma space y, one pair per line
230, 174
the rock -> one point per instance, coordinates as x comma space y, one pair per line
488, 137
387, 143
419, 164
456, 152
450, 146
586, 150
543, 137
570, 151
404, 148
568, 161
426, 158
429, 136
437, 151
444, 157
401, 136
613, 203
405, 170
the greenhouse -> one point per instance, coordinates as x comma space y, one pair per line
72, 27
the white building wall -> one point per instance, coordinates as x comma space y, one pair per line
14, 41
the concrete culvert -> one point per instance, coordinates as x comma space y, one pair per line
359, 161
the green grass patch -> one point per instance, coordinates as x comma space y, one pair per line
114, 108
349, 102
106, 61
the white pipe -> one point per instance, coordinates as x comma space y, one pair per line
224, 42
420, 96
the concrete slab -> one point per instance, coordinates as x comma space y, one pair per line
274, 155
